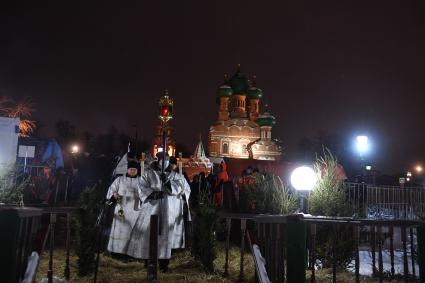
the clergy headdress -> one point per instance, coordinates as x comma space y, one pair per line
132, 164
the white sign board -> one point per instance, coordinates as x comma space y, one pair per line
9, 131
26, 151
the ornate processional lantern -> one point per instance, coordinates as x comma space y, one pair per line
165, 115
166, 112
166, 108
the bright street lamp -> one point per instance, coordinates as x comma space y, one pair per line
75, 149
362, 144
303, 178
419, 169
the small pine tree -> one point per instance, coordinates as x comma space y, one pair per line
12, 185
204, 227
86, 231
328, 196
328, 199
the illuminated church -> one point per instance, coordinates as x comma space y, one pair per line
241, 131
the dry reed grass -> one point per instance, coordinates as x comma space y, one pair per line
183, 268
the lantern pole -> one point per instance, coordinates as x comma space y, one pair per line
165, 115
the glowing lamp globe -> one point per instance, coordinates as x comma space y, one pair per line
75, 149
362, 144
303, 178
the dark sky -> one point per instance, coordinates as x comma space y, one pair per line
345, 67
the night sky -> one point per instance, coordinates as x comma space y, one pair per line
344, 67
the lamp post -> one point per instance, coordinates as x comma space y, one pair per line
303, 179
75, 149
362, 147
165, 115
156, 221
409, 177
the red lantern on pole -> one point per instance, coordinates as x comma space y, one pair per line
165, 108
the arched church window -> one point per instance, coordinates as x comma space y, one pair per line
244, 149
225, 148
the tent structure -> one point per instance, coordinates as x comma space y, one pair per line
43, 152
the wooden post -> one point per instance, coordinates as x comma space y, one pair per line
52, 244
392, 250
267, 246
226, 261
380, 260
282, 251
142, 163
68, 233
313, 252
295, 249
373, 239
153, 250
180, 162
421, 252
405, 262
274, 243
272, 262
243, 230
279, 252
412, 252
356, 248
334, 252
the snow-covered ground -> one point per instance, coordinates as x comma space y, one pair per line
366, 262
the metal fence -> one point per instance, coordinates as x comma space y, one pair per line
386, 201
285, 246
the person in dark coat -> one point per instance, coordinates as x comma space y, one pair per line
194, 188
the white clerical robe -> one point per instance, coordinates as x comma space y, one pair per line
169, 209
181, 198
122, 226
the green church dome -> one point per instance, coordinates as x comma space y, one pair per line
266, 119
239, 82
254, 93
224, 91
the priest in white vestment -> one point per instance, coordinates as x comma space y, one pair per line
124, 191
165, 201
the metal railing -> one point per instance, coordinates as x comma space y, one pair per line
371, 236
386, 201
286, 246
